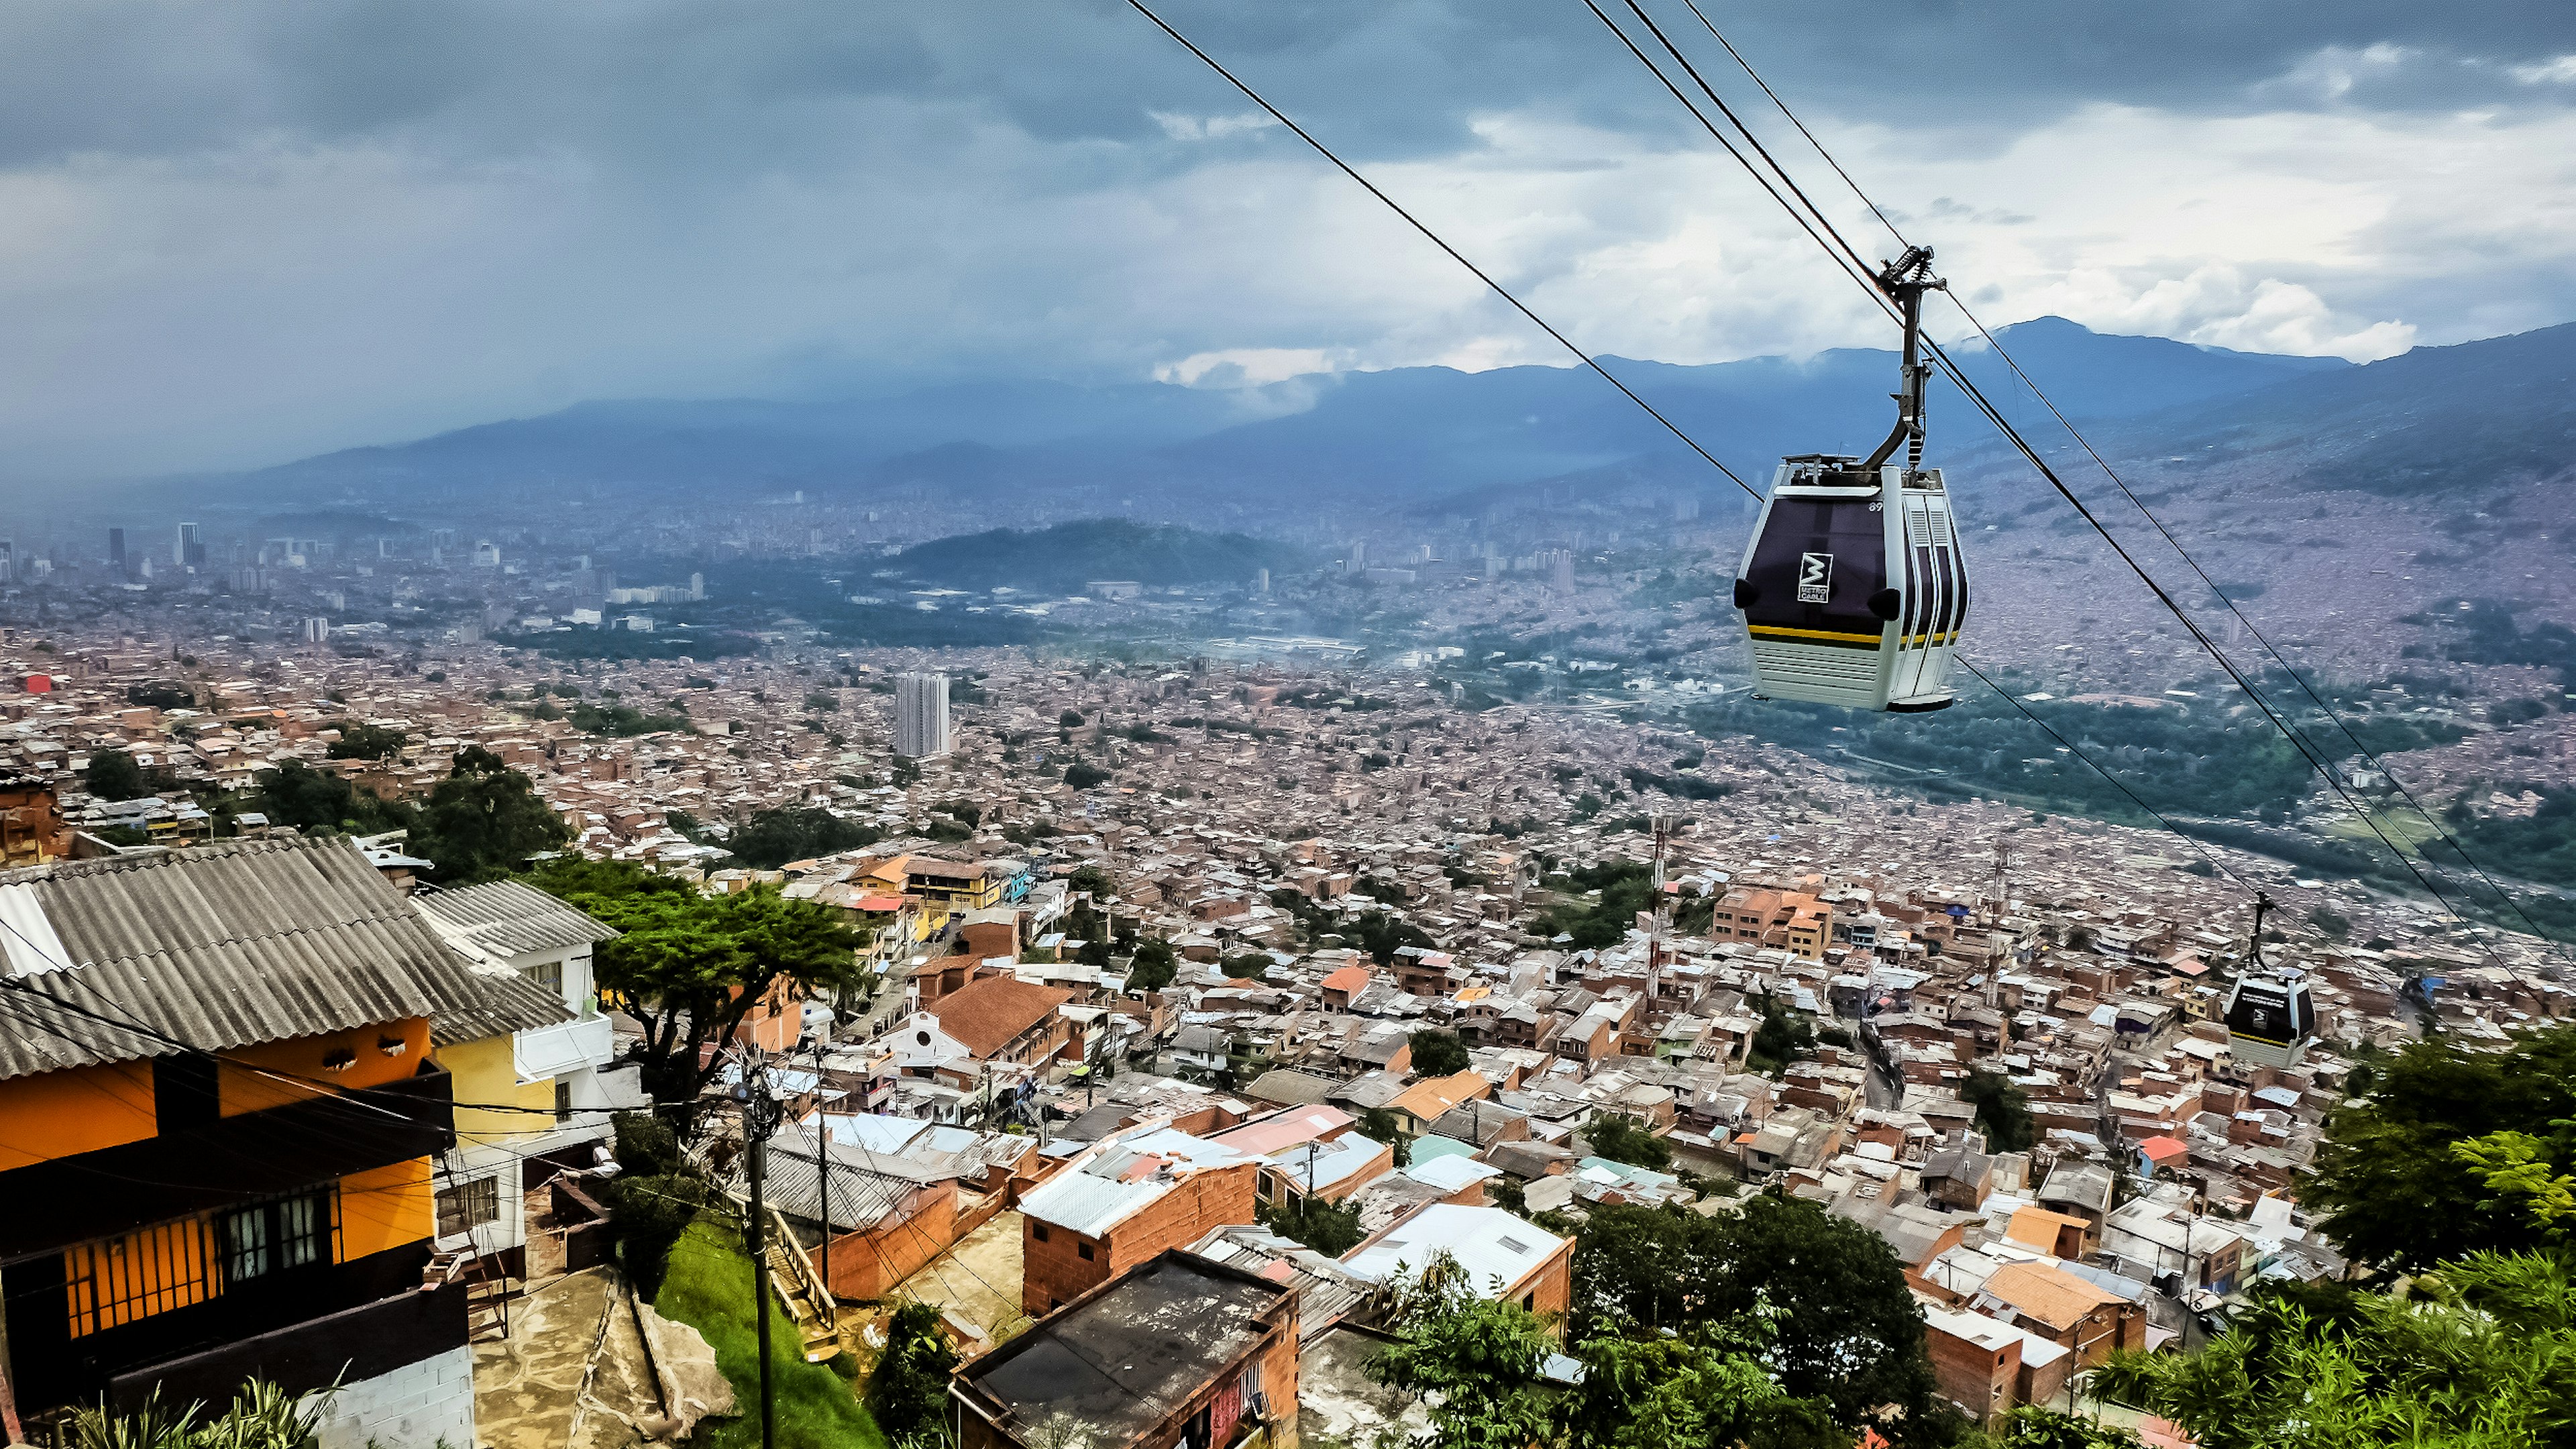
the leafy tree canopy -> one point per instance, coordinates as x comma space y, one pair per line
1855, 1339
908, 1390
2395, 1193
690, 967
1438, 1053
359, 741
2481, 1354
484, 820
2003, 1111
113, 775
1331, 1229
1153, 968
771, 838
1622, 1138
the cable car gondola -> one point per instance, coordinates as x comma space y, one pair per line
1852, 585
2270, 1016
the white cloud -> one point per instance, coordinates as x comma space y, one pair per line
1181, 127
2561, 71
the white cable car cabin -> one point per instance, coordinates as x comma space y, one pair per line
1852, 585
2270, 1019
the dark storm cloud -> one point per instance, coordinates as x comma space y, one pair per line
644, 78
237, 231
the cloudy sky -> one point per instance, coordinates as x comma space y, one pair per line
237, 233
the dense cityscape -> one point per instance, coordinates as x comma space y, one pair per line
1339, 726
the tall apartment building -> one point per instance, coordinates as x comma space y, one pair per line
920, 715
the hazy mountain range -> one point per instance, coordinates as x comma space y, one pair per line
1433, 436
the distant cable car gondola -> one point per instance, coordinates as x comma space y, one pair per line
2270, 1016
1852, 586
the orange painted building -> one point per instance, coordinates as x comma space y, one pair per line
220, 1115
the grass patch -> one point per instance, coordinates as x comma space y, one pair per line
708, 1287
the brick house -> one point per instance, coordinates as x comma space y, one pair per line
994, 1020
1125, 1200
1205, 1355
2068, 1311
1505, 1258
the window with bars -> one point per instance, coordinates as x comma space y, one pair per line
277, 1236
467, 1205
153, 1270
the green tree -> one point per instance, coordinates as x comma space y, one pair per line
690, 967
1082, 776
1708, 1388
2395, 1194
359, 741
1095, 880
2480, 1353
484, 820
646, 1216
2003, 1111
315, 801
1382, 935
1855, 1339
1623, 1138
1380, 1125
2033, 1427
1153, 968
1475, 1363
113, 775
772, 838
1438, 1053
908, 1391
1783, 1037
1331, 1229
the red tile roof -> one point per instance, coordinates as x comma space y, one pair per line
985, 1016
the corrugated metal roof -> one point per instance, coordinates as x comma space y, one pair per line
510, 1003
221, 947
505, 918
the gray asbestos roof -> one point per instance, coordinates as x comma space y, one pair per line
505, 919
219, 947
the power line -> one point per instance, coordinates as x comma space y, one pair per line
1454, 254
1346, 169
1995, 417
1992, 341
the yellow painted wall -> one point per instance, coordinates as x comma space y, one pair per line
484, 1073
244, 1090
61, 1114
387, 1208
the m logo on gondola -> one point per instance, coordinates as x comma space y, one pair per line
1815, 578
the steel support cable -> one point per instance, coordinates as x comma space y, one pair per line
1993, 415
2196, 843
1454, 254
1867, 284
2041, 396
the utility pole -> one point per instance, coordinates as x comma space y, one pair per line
823, 1172
759, 1117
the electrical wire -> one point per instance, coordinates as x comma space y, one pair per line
1994, 416
1831, 251
1996, 344
2233, 608
1454, 254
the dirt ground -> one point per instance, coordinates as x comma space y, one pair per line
978, 1279
572, 1374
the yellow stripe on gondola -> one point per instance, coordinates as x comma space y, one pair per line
1918, 641
1774, 631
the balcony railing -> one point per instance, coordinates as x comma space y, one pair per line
551, 1051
